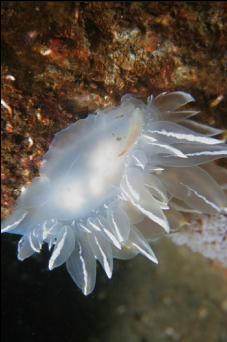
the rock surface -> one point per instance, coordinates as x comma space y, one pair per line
61, 61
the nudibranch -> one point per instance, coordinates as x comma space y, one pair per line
103, 175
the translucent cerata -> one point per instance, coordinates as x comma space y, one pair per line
108, 181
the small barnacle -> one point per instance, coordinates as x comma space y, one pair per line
30, 141
6, 106
44, 51
216, 101
10, 77
105, 176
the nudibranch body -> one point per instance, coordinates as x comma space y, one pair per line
105, 174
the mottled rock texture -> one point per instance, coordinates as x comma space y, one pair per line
60, 61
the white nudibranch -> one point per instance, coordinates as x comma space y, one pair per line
105, 174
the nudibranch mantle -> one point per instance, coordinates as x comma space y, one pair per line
105, 174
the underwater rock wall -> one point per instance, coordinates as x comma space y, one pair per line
72, 58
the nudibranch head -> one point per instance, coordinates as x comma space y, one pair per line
105, 174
